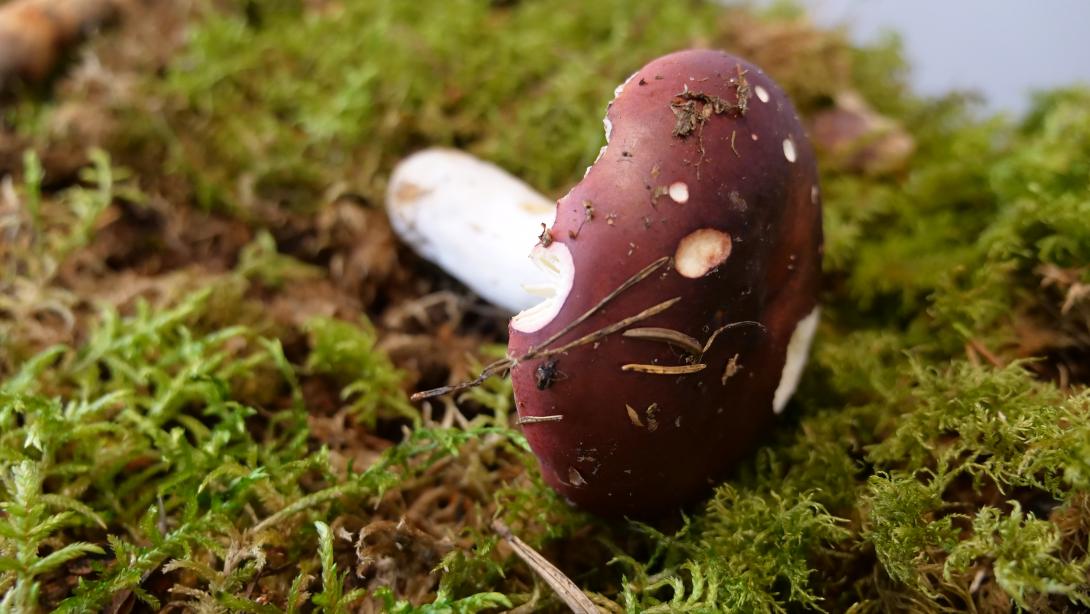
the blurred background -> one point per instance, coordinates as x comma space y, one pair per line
1003, 49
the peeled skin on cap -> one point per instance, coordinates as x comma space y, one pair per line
474, 220
708, 164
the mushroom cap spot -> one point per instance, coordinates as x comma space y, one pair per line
678, 191
789, 149
762, 93
814, 194
701, 251
798, 350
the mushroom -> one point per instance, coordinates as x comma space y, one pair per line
35, 33
475, 221
687, 268
857, 138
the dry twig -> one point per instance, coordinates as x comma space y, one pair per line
568, 592
543, 350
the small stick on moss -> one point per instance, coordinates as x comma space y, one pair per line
567, 590
1064, 376
971, 355
539, 419
986, 353
491, 369
665, 369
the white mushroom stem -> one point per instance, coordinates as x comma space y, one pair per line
476, 221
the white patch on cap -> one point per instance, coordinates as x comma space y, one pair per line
608, 126
556, 262
798, 350
678, 191
762, 93
814, 194
789, 149
701, 251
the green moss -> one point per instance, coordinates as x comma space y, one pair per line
136, 431
258, 101
371, 385
1023, 552
996, 425
747, 551
904, 527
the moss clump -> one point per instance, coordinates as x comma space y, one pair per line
218, 427
263, 115
143, 428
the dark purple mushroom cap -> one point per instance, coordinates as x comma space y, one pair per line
706, 163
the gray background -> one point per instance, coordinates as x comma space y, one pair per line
1003, 49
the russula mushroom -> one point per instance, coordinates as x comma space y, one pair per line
689, 259
475, 221
856, 137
